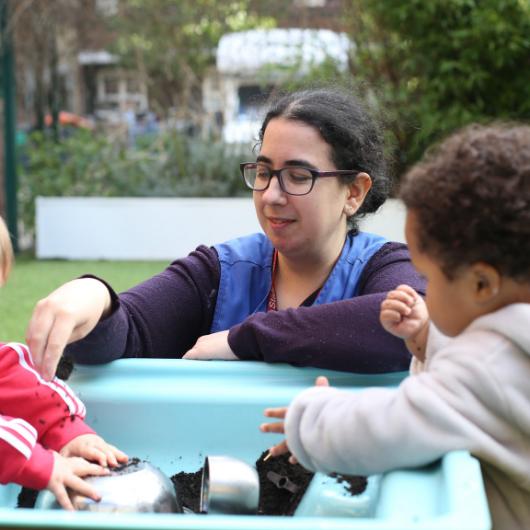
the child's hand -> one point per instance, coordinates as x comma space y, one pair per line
405, 315
92, 447
279, 427
67, 473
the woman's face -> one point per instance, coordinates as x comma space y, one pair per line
307, 226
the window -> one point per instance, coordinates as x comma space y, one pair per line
111, 86
251, 100
133, 86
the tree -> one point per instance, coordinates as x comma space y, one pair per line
44, 31
438, 65
172, 43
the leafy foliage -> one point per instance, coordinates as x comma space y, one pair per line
87, 164
438, 65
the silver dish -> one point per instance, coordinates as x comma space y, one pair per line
135, 487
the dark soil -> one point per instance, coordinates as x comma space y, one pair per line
65, 367
276, 500
280, 492
188, 488
27, 498
292, 479
354, 484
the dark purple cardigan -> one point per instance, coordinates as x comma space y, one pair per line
165, 315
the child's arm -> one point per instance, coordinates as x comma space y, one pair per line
404, 314
24, 461
50, 407
27, 463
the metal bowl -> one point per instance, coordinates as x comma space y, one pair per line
229, 486
135, 487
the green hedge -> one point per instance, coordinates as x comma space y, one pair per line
90, 164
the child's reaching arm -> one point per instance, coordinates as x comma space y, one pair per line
44, 417
50, 407
404, 314
28, 463
24, 460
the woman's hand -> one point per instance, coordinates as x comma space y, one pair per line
211, 348
279, 427
67, 473
93, 448
405, 315
67, 314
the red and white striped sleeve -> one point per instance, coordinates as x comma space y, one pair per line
23, 460
46, 414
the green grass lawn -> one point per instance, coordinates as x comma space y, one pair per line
31, 280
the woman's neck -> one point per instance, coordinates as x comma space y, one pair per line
298, 277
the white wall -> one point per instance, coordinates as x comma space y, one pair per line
157, 228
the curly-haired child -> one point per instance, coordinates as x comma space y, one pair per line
468, 230
44, 442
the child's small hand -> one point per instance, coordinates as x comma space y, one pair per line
404, 314
93, 448
279, 427
67, 473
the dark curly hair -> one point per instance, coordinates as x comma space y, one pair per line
471, 195
353, 135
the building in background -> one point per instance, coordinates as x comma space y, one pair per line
251, 64
64, 62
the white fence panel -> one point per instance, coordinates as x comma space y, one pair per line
157, 228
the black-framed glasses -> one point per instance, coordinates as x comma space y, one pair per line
293, 180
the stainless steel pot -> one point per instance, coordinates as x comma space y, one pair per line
229, 486
135, 487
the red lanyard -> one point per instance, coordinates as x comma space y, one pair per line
272, 302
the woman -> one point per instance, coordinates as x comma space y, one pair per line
306, 292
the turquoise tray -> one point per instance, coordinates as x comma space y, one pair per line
175, 412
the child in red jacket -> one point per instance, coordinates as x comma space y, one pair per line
44, 442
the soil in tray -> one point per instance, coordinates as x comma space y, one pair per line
273, 500
293, 480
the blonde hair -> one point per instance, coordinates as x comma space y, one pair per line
6, 252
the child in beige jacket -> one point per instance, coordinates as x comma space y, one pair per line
468, 230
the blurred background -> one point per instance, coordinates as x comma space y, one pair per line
163, 98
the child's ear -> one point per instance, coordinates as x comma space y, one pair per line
486, 282
357, 191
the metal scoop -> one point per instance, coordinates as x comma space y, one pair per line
229, 486
135, 487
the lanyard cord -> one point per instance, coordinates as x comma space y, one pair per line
272, 302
